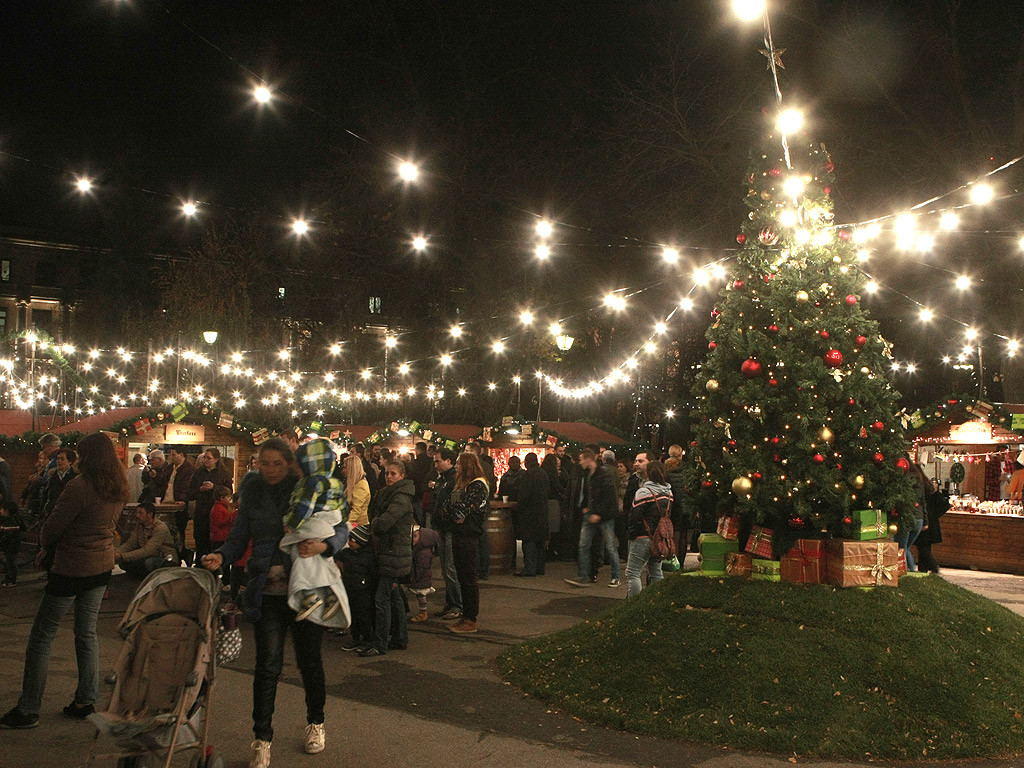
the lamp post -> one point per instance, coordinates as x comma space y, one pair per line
564, 343
518, 381
540, 391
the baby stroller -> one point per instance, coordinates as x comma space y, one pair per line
164, 673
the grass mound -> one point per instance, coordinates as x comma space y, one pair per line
925, 671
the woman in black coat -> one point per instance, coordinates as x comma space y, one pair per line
210, 473
532, 516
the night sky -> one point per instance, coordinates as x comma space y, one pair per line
512, 108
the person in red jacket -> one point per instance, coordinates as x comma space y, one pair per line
222, 517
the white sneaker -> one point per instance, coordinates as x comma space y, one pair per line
315, 738
260, 754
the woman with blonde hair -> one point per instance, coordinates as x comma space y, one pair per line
357, 491
465, 513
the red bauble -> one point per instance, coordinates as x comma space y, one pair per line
903, 464
767, 278
741, 238
827, 190
833, 358
818, 458
731, 444
707, 484
844, 234
795, 522
776, 458
878, 426
878, 458
824, 334
737, 284
712, 346
839, 467
755, 476
715, 313
851, 300
773, 329
751, 368
860, 341
773, 382
851, 401
817, 303
847, 521
774, 172
693, 444
776, 440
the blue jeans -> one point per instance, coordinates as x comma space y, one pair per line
906, 539
533, 558
275, 621
389, 609
87, 652
452, 590
639, 556
588, 531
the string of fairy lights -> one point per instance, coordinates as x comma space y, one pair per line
241, 385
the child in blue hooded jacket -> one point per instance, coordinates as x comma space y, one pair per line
317, 505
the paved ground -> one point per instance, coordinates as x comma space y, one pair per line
440, 703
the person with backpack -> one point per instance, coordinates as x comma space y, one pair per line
649, 524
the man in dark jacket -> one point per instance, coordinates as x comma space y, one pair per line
444, 463
391, 520
419, 473
598, 519
532, 516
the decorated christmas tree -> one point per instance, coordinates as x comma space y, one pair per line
796, 422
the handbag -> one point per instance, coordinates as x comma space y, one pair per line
229, 640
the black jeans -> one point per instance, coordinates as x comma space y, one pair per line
465, 551
270, 630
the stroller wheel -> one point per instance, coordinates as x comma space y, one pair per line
213, 760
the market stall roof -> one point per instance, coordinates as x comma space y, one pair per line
580, 432
17, 422
99, 421
358, 433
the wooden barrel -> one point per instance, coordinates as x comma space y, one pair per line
501, 540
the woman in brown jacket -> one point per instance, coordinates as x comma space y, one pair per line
79, 536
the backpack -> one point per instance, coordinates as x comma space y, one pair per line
663, 540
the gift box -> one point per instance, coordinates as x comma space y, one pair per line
737, 564
729, 526
868, 524
765, 570
901, 562
714, 547
805, 563
760, 542
862, 563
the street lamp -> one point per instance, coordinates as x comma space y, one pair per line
564, 342
209, 336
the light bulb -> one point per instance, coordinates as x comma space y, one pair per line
408, 171
790, 121
544, 228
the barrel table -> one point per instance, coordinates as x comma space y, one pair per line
500, 536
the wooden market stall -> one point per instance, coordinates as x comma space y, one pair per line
970, 457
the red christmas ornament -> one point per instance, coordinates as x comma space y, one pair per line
773, 329
712, 346
878, 458
818, 458
860, 341
839, 467
851, 401
751, 368
776, 458
829, 167
851, 300
767, 278
863, 432
707, 484
715, 313
843, 234
817, 303
693, 444
833, 358
773, 382
774, 172
755, 476
795, 522
878, 426
741, 238
824, 334
903, 464
776, 440
737, 284
847, 521
731, 444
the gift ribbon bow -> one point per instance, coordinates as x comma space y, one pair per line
878, 570
735, 565
761, 536
771, 569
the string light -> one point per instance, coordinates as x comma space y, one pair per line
83, 184
748, 10
542, 251
949, 221
419, 243
790, 120
189, 209
963, 282
544, 228
981, 194
526, 317
670, 255
498, 347
300, 227
262, 94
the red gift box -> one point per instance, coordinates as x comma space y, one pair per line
760, 542
737, 563
805, 563
901, 562
729, 527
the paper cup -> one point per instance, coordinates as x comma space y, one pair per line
158, 499
504, 498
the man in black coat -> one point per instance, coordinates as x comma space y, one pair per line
598, 520
532, 516
419, 472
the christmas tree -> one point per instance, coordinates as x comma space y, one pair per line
796, 423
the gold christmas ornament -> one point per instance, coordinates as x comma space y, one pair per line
802, 297
893, 529
712, 385
858, 482
741, 486
826, 435
865, 370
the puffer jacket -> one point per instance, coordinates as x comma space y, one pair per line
80, 530
391, 520
318, 490
651, 501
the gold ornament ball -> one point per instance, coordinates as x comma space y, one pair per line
893, 529
742, 486
858, 482
802, 297
766, 195
826, 435
712, 385
865, 370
